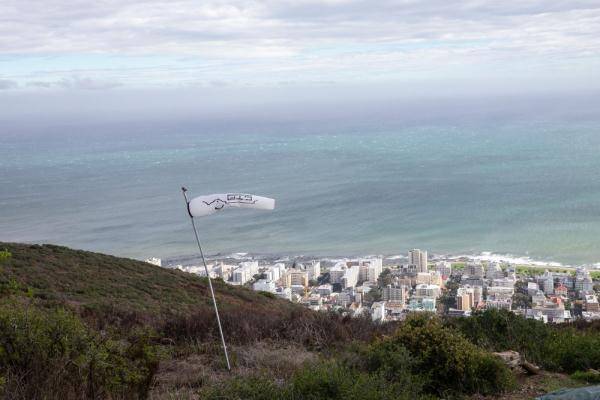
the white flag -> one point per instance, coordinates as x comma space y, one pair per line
206, 205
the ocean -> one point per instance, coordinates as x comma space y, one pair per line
521, 186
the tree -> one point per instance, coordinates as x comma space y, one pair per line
385, 278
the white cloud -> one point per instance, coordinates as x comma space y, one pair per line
294, 40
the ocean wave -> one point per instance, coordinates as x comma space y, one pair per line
489, 256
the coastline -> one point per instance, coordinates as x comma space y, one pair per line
388, 259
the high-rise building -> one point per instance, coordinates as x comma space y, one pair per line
547, 282
314, 270
370, 269
395, 293
424, 290
465, 299
419, 259
296, 277
473, 270
583, 281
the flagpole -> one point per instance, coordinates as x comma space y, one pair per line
212, 292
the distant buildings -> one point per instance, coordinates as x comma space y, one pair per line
493, 271
591, 303
546, 283
398, 294
264, 285
465, 299
583, 281
296, 277
551, 310
418, 258
244, 272
313, 270
370, 269
474, 271
532, 288
444, 268
353, 287
154, 261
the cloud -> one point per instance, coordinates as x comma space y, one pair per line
6, 84
75, 83
86, 83
298, 40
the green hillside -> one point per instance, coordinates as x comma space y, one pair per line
82, 279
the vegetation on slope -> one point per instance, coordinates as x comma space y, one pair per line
76, 324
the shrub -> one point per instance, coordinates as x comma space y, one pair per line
590, 377
324, 381
565, 348
332, 380
447, 361
244, 388
5, 254
50, 353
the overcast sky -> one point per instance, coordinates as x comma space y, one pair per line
411, 46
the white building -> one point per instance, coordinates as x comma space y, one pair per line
264, 285
378, 311
275, 272
224, 271
284, 293
370, 269
314, 270
245, 272
337, 272
350, 278
154, 261
346, 276
430, 291
532, 288
418, 258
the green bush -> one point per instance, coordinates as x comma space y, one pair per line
5, 254
332, 380
447, 362
246, 388
393, 361
591, 377
554, 348
324, 381
50, 353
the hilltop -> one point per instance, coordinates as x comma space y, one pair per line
85, 280
77, 324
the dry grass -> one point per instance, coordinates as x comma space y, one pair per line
181, 377
532, 386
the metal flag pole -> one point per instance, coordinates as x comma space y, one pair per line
212, 292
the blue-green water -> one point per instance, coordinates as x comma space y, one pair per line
521, 187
